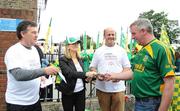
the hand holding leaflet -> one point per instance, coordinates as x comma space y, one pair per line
47, 82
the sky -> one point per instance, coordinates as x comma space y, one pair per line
75, 17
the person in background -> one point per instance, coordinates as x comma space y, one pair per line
24, 70
73, 92
177, 63
43, 78
110, 59
153, 70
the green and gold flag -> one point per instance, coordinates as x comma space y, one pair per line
47, 37
164, 36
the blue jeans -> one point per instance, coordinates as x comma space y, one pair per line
147, 104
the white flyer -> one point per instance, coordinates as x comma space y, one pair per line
47, 82
62, 76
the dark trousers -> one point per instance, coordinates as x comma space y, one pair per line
34, 107
76, 100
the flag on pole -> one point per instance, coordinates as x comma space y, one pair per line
131, 45
126, 41
84, 53
91, 50
85, 42
52, 46
164, 37
122, 39
97, 42
47, 37
91, 45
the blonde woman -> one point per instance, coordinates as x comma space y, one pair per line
73, 95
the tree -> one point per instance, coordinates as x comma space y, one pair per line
158, 19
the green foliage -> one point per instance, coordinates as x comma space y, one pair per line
158, 19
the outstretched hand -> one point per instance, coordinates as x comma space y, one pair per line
108, 77
51, 70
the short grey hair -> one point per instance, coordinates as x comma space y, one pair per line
143, 23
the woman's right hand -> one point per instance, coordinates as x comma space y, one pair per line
91, 73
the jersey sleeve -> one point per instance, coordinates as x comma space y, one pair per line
165, 62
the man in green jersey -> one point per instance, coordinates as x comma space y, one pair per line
153, 70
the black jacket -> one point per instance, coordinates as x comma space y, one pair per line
71, 75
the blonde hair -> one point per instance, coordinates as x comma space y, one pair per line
67, 53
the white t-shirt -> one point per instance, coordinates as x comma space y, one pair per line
22, 92
110, 60
79, 83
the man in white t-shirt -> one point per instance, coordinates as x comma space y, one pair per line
24, 70
110, 59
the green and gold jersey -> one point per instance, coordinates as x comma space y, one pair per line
150, 65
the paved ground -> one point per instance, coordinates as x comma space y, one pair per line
91, 105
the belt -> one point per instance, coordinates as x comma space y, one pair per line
148, 98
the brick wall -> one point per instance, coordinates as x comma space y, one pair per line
20, 4
15, 9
